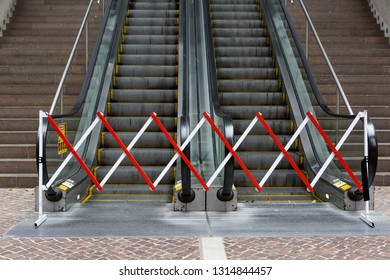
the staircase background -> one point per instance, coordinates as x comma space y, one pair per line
34, 50
360, 55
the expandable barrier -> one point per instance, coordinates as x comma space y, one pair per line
206, 186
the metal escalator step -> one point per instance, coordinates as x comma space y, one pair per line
247, 23
151, 95
262, 143
130, 198
244, 62
150, 59
248, 85
153, 5
234, 2
279, 127
134, 123
276, 198
146, 82
150, 39
268, 112
142, 109
240, 41
235, 16
238, 8
249, 98
126, 174
153, 140
153, 13
152, 21
238, 32
283, 191
151, 156
279, 178
151, 30
242, 52
146, 71
149, 49
140, 189
252, 160
246, 73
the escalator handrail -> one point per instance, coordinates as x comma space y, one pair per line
371, 134
81, 97
186, 193
227, 119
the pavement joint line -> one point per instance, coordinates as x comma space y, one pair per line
212, 248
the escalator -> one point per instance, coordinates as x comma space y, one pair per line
249, 82
232, 59
145, 81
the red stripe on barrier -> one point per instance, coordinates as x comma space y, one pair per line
128, 154
177, 148
334, 150
234, 154
285, 153
72, 150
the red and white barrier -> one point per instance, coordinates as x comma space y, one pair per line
206, 118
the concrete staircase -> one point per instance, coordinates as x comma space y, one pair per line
34, 50
360, 55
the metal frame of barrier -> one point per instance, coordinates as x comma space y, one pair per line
206, 186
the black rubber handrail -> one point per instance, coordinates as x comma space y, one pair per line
186, 194
54, 194
226, 192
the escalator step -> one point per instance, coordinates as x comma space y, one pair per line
149, 49
249, 98
148, 156
134, 123
126, 174
142, 109
148, 140
242, 52
246, 73
147, 71
268, 112
244, 62
145, 95
150, 39
146, 82
249, 85
252, 160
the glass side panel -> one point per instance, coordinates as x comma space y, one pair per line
78, 124
353, 149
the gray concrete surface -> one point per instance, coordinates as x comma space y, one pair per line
265, 237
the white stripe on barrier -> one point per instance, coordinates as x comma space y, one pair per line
287, 147
188, 140
341, 142
123, 155
76, 147
182, 147
235, 147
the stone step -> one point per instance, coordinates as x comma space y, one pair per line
31, 100
17, 165
47, 70
25, 180
18, 151
19, 124
18, 137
